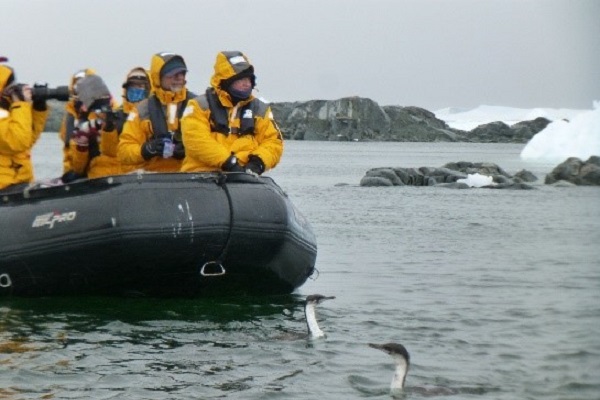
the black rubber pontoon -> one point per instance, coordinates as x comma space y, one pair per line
171, 234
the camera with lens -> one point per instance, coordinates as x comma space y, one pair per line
43, 92
102, 108
105, 115
39, 92
106, 109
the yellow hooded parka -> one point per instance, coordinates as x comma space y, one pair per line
206, 148
20, 128
138, 127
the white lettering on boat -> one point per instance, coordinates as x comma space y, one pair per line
49, 219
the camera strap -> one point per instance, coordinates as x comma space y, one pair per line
158, 119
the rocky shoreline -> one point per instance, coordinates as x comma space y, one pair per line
362, 119
464, 175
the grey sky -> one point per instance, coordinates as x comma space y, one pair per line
426, 53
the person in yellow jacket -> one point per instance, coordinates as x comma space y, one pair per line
22, 120
94, 142
227, 128
68, 124
151, 137
135, 89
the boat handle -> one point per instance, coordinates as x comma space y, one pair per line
5, 281
211, 264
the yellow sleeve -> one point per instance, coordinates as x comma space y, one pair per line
129, 149
202, 149
270, 140
109, 143
19, 133
39, 123
79, 159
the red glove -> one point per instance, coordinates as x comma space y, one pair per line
84, 133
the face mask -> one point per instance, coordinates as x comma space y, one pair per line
240, 94
135, 94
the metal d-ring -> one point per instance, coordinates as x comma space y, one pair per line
210, 264
5, 280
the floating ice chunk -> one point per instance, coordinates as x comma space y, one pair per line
561, 139
477, 180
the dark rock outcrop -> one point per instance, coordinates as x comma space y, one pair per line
523, 131
499, 132
576, 171
447, 176
362, 119
340, 120
359, 119
525, 176
414, 124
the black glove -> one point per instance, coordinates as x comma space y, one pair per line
39, 102
179, 151
255, 165
231, 165
110, 122
15, 92
70, 176
153, 148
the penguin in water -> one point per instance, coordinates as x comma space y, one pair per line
314, 331
402, 360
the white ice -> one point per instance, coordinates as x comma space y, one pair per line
468, 119
572, 133
477, 180
561, 139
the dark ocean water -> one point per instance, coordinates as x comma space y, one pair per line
495, 293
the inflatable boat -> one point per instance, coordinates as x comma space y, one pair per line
154, 234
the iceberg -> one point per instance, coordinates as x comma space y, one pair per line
562, 139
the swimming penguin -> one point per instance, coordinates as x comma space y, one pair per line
402, 360
314, 332
309, 312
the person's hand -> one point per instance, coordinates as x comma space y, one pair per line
231, 165
20, 92
84, 132
255, 165
70, 176
81, 140
152, 148
109, 121
179, 151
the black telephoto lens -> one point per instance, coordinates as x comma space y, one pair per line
60, 93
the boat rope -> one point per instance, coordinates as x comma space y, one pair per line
218, 263
223, 183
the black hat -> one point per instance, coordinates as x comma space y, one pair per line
173, 66
247, 73
136, 75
